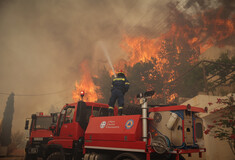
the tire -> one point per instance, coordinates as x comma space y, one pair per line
55, 156
30, 157
174, 156
129, 156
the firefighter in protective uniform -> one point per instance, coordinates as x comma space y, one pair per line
120, 86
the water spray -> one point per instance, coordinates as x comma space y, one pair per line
106, 53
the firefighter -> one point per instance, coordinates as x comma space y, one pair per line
120, 86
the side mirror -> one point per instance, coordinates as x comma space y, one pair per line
34, 116
52, 127
54, 117
26, 125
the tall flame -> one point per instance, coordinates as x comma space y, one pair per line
86, 84
180, 43
142, 49
184, 42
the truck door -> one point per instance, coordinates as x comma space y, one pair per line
188, 127
66, 127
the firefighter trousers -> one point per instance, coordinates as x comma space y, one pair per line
116, 94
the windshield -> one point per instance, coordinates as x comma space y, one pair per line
100, 111
43, 122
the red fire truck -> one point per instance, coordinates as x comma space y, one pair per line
39, 134
85, 131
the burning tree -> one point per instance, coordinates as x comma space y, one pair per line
224, 128
174, 52
143, 77
155, 62
86, 85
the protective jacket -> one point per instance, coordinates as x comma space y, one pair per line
121, 83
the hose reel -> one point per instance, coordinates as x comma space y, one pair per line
160, 144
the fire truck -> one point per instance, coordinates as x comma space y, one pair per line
84, 131
39, 134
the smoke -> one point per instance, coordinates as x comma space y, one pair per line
5, 135
43, 42
159, 17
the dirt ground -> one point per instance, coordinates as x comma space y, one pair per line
16, 155
12, 158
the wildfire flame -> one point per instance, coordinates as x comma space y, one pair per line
142, 49
183, 42
169, 49
86, 84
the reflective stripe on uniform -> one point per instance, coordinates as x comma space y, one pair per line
110, 107
127, 83
120, 107
119, 79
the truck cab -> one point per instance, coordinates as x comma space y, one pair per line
39, 134
71, 126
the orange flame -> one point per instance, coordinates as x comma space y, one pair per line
167, 51
172, 97
171, 45
141, 49
86, 84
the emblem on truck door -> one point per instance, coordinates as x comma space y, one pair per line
129, 124
103, 124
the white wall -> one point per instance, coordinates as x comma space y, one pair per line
216, 149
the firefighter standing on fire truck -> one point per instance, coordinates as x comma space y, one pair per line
120, 86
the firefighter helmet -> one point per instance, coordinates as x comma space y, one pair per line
120, 71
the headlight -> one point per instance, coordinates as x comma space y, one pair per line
38, 139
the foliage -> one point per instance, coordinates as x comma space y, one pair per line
222, 67
191, 83
104, 82
225, 67
187, 80
224, 127
143, 77
0, 129
17, 141
5, 137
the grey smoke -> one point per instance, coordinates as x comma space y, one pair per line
42, 42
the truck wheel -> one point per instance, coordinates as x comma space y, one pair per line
30, 157
129, 156
55, 156
173, 157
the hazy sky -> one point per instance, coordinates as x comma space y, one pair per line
42, 43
